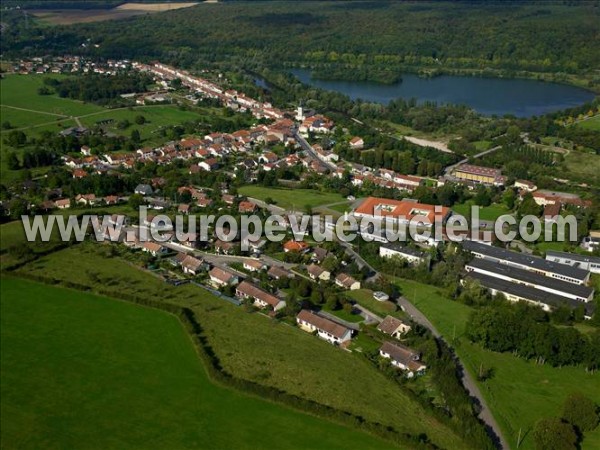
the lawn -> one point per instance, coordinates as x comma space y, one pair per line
490, 213
590, 124
582, 166
297, 199
21, 91
520, 392
157, 117
83, 371
364, 297
256, 348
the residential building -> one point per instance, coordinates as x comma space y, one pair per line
262, 299
403, 358
278, 273
154, 249
222, 277
193, 266
254, 265
394, 327
318, 273
326, 329
345, 281
295, 246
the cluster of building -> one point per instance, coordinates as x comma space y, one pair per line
558, 281
230, 98
69, 64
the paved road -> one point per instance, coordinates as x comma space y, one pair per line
360, 261
466, 378
311, 152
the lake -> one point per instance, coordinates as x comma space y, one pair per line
488, 96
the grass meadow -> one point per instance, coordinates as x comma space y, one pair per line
592, 123
291, 198
255, 348
520, 392
490, 213
83, 371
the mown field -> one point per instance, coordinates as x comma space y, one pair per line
83, 371
590, 124
256, 348
298, 199
519, 392
21, 91
582, 167
490, 213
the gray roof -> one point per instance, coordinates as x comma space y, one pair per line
404, 249
526, 260
529, 293
573, 256
532, 277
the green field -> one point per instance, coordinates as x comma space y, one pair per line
582, 166
590, 124
490, 213
256, 348
520, 392
21, 91
291, 198
83, 371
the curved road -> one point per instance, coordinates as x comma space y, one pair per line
467, 380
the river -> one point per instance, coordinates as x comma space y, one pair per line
488, 96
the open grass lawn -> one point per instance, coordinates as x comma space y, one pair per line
582, 166
21, 91
157, 117
490, 213
83, 371
591, 124
519, 392
291, 198
364, 297
259, 349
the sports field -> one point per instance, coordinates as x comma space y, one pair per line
519, 392
82, 371
291, 198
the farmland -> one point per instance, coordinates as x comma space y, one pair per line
292, 198
124, 11
520, 391
255, 348
108, 374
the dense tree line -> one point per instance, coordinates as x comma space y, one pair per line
97, 88
523, 330
550, 38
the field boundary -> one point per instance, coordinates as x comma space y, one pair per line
218, 375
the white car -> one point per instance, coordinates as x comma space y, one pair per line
380, 296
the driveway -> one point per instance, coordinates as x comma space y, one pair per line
467, 380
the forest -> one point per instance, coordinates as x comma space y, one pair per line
343, 37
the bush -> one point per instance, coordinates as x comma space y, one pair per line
554, 434
581, 412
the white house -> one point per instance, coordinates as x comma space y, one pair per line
262, 299
403, 358
326, 329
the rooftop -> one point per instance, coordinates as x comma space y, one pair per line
525, 260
